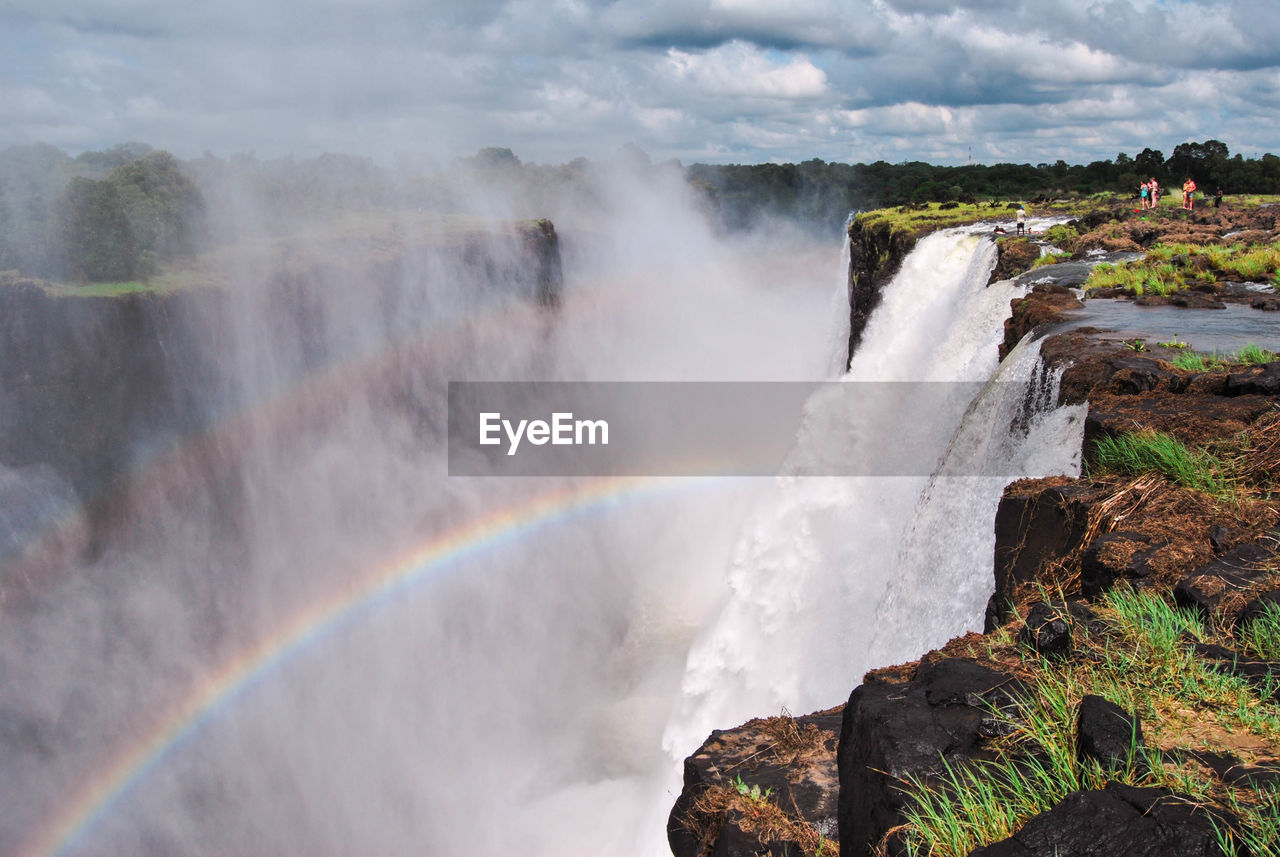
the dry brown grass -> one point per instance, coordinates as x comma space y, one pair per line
767, 821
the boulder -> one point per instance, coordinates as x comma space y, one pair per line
1267, 601
1107, 733
1264, 380
1216, 590
1037, 522
1117, 820
1048, 629
897, 727
791, 761
1114, 556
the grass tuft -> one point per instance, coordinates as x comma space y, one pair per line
1157, 452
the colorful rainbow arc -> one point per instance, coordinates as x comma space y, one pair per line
240, 673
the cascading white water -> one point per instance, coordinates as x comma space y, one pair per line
535, 695
835, 575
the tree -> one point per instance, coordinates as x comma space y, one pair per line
97, 241
165, 209
1150, 164
1205, 162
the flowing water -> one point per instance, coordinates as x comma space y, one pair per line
366, 656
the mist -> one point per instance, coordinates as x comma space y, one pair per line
279, 626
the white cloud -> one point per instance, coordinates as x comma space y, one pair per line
740, 80
740, 69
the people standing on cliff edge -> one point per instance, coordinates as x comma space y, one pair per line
1188, 193
1155, 192
1144, 193
1022, 220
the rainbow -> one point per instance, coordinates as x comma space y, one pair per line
102, 791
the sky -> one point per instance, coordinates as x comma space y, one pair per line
712, 81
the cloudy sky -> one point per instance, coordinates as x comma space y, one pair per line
718, 81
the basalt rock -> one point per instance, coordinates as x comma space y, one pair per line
1045, 305
1114, 556
900, 725
1218, 589
1189, 417
1117, 820
876, 253
1262, 674
1048, 629
1107, 733
1038, 521
1014, 256
767, 786
1267, 602
1264, 380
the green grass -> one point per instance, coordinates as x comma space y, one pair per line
1249, 355
1253, 355
1134, 277
1261, 637
1155, 452
1143, 665
1168, 267
1050, 259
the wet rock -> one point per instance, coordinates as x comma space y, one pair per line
1107, 733
1183, 298
1045, 305
1118, 820
1037, 522
1014, 256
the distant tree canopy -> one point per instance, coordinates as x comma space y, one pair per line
120, 213
103, 216
826, 192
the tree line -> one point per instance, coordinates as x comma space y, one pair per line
104, 216
119, 214
822, 192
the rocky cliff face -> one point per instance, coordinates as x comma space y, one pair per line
91, 385
876, 251
1078, 539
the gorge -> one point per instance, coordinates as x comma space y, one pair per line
246, 610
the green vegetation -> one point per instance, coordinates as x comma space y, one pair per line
111, 216
1249, 355
751, 792
1156, 452
1141, 664
1253, 355
1166, 268
1050, 259
820, 191
1261, 637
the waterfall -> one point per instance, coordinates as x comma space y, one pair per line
836, 575
228, 677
